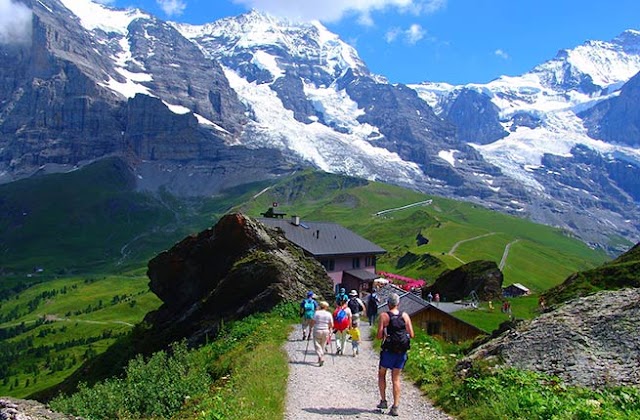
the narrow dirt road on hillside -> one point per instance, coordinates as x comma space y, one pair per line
346, 387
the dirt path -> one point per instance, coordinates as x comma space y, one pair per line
345, 387
455, 246
505, 254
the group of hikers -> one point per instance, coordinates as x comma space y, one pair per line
394, 329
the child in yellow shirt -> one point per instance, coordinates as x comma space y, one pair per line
354, 332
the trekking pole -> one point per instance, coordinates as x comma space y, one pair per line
333, 355
307, 348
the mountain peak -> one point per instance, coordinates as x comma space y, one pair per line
629, 40
94, 15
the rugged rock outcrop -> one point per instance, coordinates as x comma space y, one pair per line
476, 118
483, 277
236, 268
591, 341
15, 409
617, 120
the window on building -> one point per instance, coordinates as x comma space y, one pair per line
328, 264
355, 262
370, 261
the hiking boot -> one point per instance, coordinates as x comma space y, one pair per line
321, 362
304, 336
382, 405
393, 411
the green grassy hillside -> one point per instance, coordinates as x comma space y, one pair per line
622, 272
92, 234
93, 221
458, 232
48, 330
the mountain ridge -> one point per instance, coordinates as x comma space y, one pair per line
229, 110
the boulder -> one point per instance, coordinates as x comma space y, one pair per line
590, 341
483, 277
236, 268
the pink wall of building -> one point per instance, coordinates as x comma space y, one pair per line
346, 264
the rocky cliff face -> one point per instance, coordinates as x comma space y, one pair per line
196, 109
236, 268
617, 120
591, 341
477, 119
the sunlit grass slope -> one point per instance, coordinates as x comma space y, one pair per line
48, 330
538, 256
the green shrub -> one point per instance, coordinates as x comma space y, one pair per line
494, 392
154, 388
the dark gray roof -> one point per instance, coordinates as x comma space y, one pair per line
411, 303
362, 274
324, 238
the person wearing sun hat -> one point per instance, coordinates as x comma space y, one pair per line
356, 305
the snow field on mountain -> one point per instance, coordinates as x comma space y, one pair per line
329, 150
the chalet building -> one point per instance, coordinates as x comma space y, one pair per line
515, 290
433, 318
350, 260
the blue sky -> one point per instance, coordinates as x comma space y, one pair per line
454, 41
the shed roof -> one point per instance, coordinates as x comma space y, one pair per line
361, 274
519, 286
324, 238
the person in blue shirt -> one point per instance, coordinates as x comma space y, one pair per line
341, 297
308, 308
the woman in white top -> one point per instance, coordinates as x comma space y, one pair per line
322, 327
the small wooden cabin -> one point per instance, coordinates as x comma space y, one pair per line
515, 290
433, 318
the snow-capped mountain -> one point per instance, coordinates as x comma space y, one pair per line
196, 109
547, 126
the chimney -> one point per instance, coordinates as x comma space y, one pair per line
295, 220
318, 234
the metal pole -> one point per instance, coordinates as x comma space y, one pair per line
307, 348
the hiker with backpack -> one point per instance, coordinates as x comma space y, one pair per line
395, 330
372, 307
356, 305
308, 309
341, 323
341, 296
322, 327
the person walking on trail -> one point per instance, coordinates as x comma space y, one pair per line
354, 332
341, 296
372, 307
356, 305
308, 308
341, 323
322, 326
396, 331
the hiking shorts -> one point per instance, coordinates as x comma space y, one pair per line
391, 360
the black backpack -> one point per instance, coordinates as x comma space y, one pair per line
397, 340
355, 306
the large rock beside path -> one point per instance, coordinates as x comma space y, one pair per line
591, 341
236, 268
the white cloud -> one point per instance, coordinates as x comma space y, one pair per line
334, 10
415, 33
392, 34
172, 7
105, 2
501, 53
15, 23
411, 35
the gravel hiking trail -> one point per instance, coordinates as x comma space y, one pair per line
345, 387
